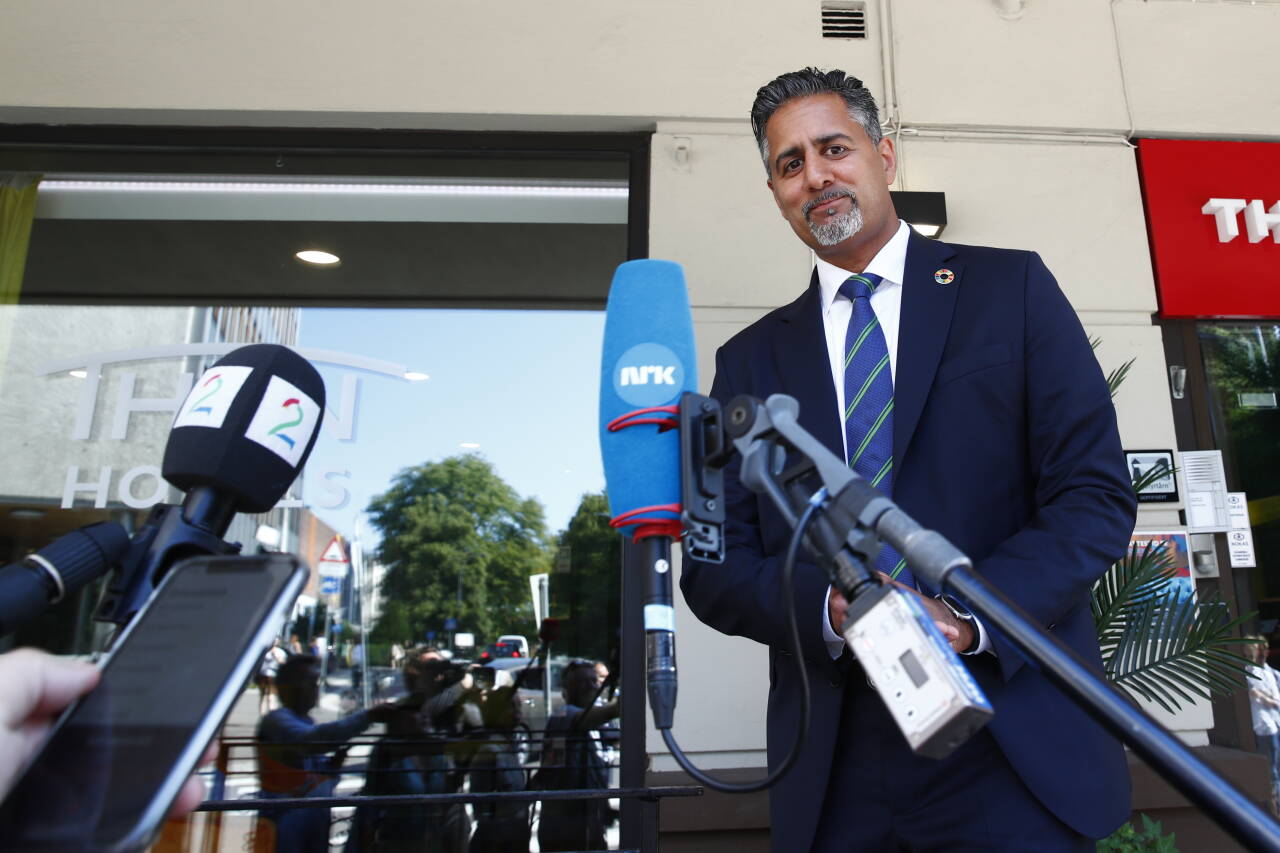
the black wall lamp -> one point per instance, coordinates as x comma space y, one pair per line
924, 211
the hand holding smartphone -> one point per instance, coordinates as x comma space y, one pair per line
117, 759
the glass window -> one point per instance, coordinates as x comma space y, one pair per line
453, 503
1242, 364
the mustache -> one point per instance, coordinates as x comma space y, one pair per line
826, 198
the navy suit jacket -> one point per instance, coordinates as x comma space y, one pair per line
1005, 441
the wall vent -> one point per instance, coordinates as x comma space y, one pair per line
844, 19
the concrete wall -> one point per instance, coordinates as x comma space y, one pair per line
975, 95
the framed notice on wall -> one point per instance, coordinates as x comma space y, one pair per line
1152, 473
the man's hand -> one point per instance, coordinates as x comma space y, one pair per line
37, 687
836, 608
958, 634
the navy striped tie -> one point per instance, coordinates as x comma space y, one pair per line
868, 404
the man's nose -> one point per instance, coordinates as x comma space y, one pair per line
817, 172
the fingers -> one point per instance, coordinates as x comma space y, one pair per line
39, 684
191, 795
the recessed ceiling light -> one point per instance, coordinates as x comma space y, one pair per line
79, 373
469, 445
26, 514
415, 376
317, 257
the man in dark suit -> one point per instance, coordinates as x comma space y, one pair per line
970, 372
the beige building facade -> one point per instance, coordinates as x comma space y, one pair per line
1022, 111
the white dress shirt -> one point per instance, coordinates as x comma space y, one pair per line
889, 263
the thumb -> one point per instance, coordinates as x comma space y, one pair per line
42, 684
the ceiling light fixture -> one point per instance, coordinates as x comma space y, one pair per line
415, 376
317, 257
79, 373
470, 445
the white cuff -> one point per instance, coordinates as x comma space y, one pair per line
835, 643
984, 641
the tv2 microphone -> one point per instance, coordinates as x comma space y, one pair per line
648, 361
237, 443
57, 570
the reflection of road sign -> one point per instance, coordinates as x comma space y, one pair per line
431, 635
334, 562
538, 589
330, 585
464, 641
451, 624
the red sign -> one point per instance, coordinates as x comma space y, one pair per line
1213, 212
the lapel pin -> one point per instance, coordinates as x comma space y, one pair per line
944, 276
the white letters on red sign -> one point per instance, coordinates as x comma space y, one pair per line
1257, 221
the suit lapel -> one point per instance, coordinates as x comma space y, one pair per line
800, 351
925, 321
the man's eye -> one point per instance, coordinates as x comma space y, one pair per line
837, 150
791, 165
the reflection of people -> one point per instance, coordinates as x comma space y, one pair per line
494, 765
297, 756
266, 675
37, 688
995, 427
574, 757
1264, 706
417, 757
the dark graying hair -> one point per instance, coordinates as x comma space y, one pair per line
811, 81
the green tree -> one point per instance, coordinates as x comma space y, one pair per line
587, 597
458, 542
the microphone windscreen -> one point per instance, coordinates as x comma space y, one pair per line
247, 426
648, 361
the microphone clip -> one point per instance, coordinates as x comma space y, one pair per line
704, 451
143, 566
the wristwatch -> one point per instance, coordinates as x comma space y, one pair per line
958, 611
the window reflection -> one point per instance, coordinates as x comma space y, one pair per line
454, 503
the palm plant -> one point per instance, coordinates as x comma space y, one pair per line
1157, 643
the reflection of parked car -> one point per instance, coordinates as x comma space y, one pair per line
529, 676
502, 649
521, 644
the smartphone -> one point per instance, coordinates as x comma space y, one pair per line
116, 760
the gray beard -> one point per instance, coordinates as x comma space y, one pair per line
837, 229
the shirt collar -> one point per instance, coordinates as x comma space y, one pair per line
889, 263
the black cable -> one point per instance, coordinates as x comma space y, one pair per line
788, 597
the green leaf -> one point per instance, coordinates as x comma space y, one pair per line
1161, 647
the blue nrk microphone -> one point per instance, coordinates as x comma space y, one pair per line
648, 363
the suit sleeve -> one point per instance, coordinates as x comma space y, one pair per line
742, 596
1084, 503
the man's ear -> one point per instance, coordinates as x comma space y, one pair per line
889, 157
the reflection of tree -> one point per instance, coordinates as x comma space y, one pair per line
1244, 359
586, 598
457, 542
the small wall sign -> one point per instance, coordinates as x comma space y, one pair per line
1152, 470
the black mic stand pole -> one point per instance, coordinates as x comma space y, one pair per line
942, 566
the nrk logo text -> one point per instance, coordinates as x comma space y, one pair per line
641, 375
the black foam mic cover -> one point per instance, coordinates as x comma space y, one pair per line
247, 426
